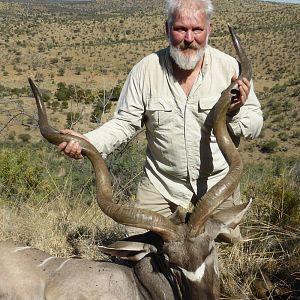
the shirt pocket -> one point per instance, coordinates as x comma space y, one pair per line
205, 106
159, 112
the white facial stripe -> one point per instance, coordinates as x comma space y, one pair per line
61, 266
45, 261
195, 276
21, 249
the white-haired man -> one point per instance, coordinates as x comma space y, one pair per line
172, 93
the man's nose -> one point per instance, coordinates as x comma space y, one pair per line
189, 37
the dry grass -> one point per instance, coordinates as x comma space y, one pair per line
58, 227
269, 254
266, 262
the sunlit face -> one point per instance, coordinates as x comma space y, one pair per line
188, 35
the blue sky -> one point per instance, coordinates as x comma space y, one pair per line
285, 1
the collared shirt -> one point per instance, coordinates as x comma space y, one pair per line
183, 157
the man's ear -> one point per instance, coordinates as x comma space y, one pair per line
210, 28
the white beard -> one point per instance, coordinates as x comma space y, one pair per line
186, 62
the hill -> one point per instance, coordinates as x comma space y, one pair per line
92, 46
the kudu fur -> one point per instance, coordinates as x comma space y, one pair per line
176, 258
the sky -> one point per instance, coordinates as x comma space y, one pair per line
284, 1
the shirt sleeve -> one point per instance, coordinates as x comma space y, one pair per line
126, 120
248, 121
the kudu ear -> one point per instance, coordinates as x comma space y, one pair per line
128, 250
229, 218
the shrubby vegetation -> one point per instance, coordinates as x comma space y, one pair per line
60, 193
7, 91
31, 172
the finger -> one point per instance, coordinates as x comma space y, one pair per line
235, 106
246, 82
244, 91
78, 156
76, 151
62, 146
243, 94
69, 147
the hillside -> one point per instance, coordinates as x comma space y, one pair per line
92, 46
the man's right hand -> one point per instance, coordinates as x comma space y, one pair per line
72, 149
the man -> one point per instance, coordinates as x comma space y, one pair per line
172, 92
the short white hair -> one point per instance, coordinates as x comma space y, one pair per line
173, 6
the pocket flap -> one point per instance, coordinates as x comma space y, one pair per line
208, 102
159, 104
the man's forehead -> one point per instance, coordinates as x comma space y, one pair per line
190, 15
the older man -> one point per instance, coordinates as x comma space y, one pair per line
172, 92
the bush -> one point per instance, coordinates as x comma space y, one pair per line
61, 72
24, 137
20, 174
101, 106
54, 60
62, 93
46, 95
72, 118
268, 146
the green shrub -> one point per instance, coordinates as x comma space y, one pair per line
72, 118
21, 174
101, 106
24, 137
54, 60
268, 146
61, 72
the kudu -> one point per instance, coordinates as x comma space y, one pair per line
178, 261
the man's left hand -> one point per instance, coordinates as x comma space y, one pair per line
239, 96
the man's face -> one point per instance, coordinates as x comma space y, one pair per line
188, 36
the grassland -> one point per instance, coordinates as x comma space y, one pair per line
80, 55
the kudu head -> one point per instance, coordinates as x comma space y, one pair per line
187, 239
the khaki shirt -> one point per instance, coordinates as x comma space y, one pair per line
183, 157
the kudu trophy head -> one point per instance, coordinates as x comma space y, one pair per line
187, 240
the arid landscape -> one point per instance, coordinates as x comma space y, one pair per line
79, 53
93, 45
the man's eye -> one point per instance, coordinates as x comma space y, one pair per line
197, 31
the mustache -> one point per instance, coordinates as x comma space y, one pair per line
193, 46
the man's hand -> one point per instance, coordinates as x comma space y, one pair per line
72, 149
239, 96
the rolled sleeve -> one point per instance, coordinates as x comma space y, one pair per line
248, 121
